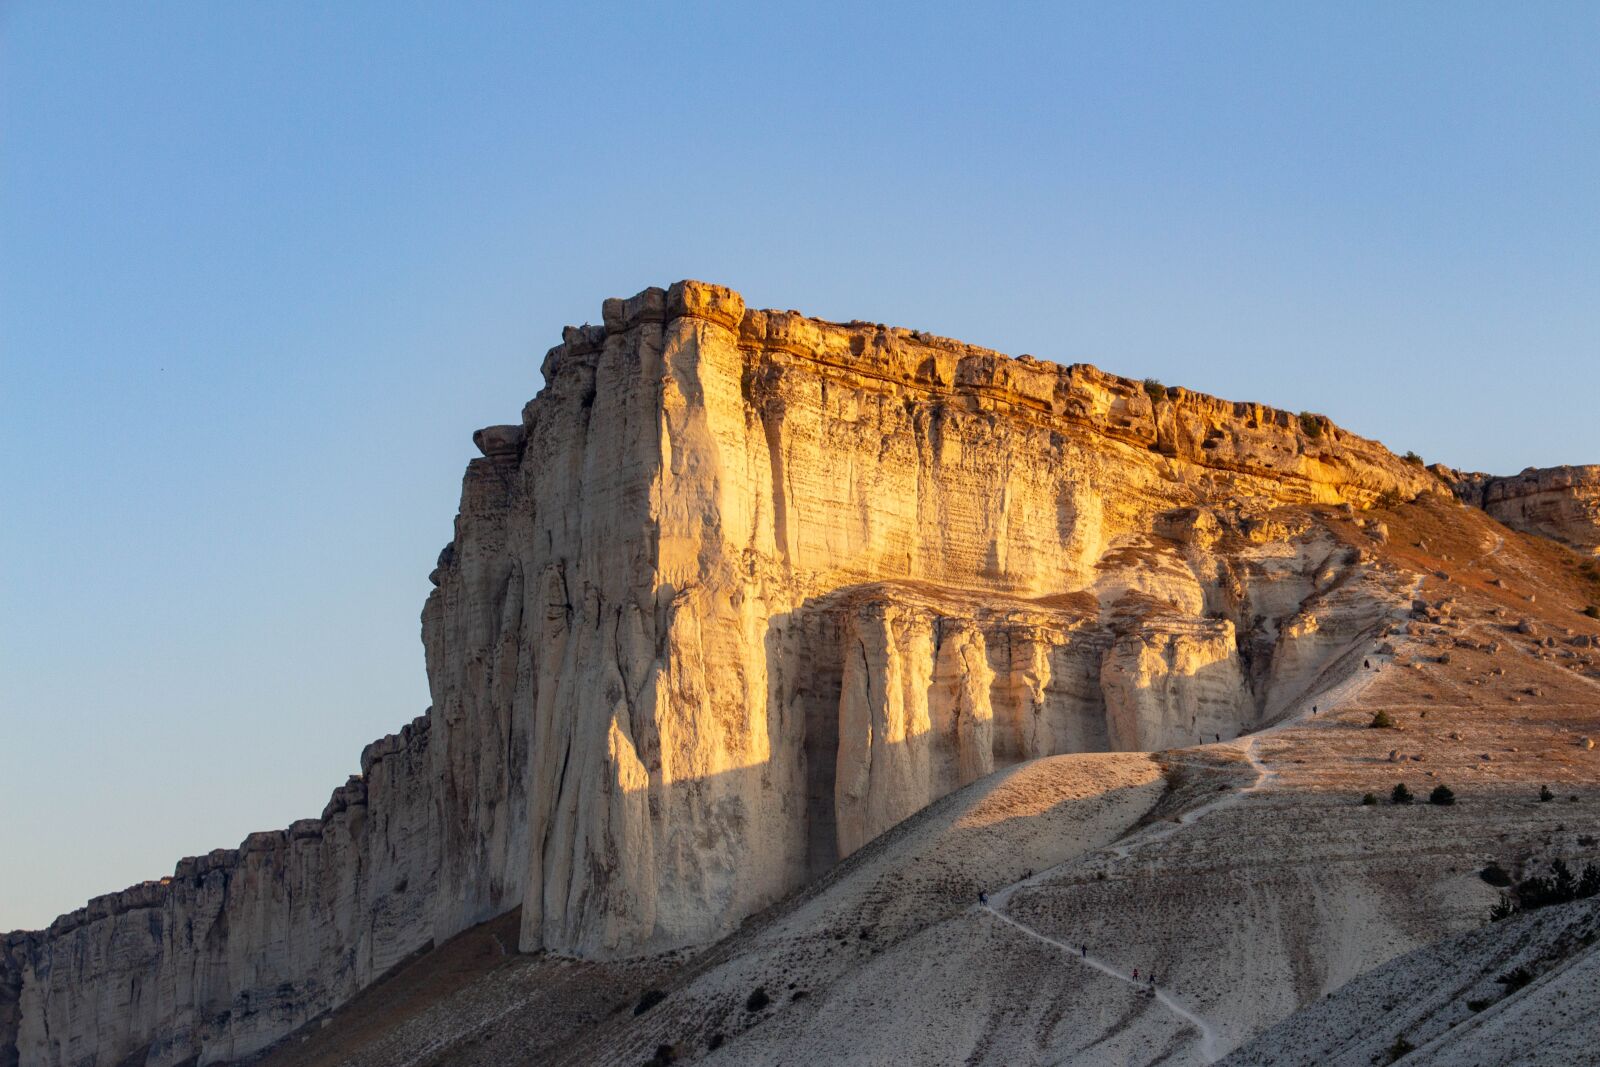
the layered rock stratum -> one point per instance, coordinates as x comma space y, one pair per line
1562, 503
743, 595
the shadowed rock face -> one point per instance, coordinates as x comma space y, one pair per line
742, 591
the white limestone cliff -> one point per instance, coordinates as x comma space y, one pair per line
741, 591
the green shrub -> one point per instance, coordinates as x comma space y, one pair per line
1560, 886
1545, 796
1495, 875
650, 999
1442, 794
1155, 390
1412, 457
1311, 424
1400, 795
758, 999
1368, 799
1381, 721
1478, 1005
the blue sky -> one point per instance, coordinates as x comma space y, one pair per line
264, 268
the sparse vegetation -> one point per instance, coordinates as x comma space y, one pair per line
1412, 457
1478, 1005
1389, 498
1369, 799
716, 1041
1400, 1048
1515, 979
1560, 886
757, 1000
665, 1056
1155, 390
1442, 794
1401, 795
1593, 611
1382, 720
1495, 875
1545, 796
1311, 424
650, 999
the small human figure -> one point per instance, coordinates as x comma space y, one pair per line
1313, 709
1366, 663
1136, 974
983, 898
1085, 951
1219, 738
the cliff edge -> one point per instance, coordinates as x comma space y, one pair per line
741, 591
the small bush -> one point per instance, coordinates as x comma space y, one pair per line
1515, 979
1442, 794
1400, 1048
716, 1041
650, 999
1412, 457
1560, 886
1545, 796
1381, 721
1389, 498
1478, 1005
758, 999
1368, 799
665, 1056
1495, 875
1311, 424
1401, 795
1593, 611
1155, 390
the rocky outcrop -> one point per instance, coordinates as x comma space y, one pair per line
238, 946
740, 591
1561, 503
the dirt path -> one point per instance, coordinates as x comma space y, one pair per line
1208, 1033
1210, 1038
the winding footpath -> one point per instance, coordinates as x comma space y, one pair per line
1208, 1033
1210, 1037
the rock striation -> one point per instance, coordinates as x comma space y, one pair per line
741, 591
238, 946
1561, 503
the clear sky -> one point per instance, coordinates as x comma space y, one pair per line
264, 268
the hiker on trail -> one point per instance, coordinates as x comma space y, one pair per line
1085, 951
1136, 974
1219, 738
1366, 663
1313, 709
983, 898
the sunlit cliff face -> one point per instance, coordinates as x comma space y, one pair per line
741, 591
744, 589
